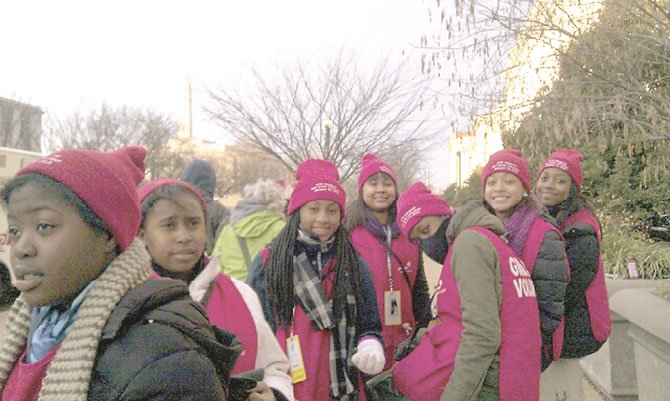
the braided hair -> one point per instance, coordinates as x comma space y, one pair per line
279, 267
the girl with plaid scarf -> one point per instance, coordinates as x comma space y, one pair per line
318, 294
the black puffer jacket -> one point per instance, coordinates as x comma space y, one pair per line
581, 246
158, 345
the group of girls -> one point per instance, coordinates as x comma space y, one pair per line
490, 342
327, 302
337, 296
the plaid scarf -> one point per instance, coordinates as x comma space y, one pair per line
319, 310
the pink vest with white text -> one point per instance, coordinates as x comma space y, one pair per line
227, 310
375, 255
424, 373
596, 293
529, 255
315, 346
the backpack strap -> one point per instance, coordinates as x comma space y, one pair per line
245, 251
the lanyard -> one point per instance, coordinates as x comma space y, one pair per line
387, 231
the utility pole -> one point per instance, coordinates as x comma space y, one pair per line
190, 108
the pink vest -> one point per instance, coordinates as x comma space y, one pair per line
25, 381
596, 292
424, 373
227, 310
374, 254
315, 345
529, 255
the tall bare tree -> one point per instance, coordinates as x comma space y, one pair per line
336, 110
109, 128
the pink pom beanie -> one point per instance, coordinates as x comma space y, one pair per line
105, 181
507, 161
567, 160
145, 190
371, 165
418, 202
317, 179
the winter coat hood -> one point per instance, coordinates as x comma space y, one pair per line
201, 175
473, 214
256, 224
154, 300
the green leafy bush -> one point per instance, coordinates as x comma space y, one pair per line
620, 241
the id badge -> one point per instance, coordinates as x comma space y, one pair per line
294, 354
392, 311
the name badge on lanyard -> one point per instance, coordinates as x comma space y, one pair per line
294, 354
392, 305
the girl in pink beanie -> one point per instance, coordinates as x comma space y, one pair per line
318, 294
174, 219
533, 236
396, 263
85, 299
587, 316
486, 341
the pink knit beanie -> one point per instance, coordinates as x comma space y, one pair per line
507, 161
105, 181
317, 179
371, 165
567, 160
418, 202
145, 190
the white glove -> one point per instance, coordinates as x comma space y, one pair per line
369, 357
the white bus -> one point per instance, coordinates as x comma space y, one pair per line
11, 161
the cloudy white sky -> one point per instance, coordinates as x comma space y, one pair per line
74, 54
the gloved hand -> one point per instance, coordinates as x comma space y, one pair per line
369, 357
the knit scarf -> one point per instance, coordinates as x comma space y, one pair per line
518, 225
319, 311
378, 230
68, 376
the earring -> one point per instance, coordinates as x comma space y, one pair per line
525, 194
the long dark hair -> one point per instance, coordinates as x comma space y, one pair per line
280, 272
358, 213
575, 202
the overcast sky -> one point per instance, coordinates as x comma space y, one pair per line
73, 54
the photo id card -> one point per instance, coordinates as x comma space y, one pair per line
392, 311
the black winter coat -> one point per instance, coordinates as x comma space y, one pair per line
158, 345
581, 246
